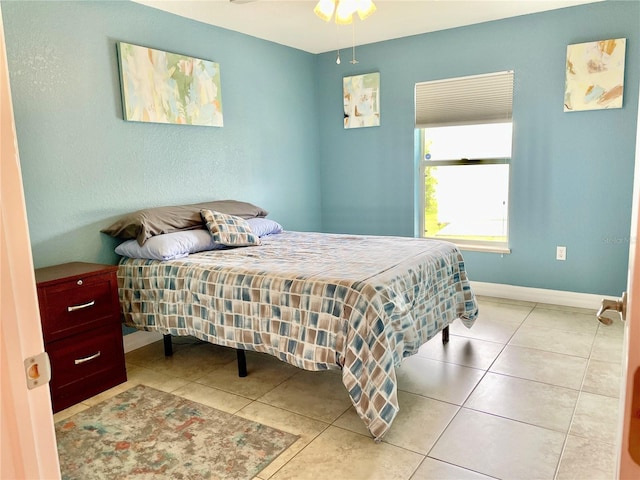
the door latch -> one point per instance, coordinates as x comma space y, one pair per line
38, 370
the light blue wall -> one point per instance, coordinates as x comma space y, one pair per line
83, 165
284, 148
571, 174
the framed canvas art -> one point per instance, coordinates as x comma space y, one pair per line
595, 75
164, 87
361, 95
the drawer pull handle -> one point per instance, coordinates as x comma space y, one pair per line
80, 307
78, 361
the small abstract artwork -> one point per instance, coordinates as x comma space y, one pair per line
361, 95
163, 87
595, 75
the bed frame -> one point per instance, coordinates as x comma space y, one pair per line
242, 358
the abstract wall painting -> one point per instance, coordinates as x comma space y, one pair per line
361, 95
595, 75
163, 87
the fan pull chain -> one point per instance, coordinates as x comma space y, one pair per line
353, 37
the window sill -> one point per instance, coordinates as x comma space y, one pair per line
471, 246
484, 248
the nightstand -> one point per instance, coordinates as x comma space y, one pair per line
81, 325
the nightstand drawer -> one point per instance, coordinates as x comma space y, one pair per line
84, 365
82, 330
77, 305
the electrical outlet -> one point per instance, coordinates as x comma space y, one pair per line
561, 253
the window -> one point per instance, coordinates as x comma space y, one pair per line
464, 132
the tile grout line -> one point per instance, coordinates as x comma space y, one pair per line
575, 408
461, 406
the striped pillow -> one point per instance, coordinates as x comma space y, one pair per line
228, 229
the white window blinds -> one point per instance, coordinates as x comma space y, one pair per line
465, 100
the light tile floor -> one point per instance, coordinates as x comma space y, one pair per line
530, 392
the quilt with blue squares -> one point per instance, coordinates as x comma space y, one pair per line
317, 301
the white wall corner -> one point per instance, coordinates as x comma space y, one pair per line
539, 295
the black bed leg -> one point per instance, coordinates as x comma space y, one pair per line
242, 363
168, 347
445, 334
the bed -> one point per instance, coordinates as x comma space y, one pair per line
317, 301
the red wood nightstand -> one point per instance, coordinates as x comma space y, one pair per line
81, 324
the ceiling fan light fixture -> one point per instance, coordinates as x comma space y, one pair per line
365, 8
324, 9
345, 11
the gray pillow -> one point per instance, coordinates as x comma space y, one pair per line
146, 223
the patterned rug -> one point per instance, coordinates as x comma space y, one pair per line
144, 433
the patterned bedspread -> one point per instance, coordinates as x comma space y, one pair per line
317, 301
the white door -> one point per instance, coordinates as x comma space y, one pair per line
629, 431
28, 438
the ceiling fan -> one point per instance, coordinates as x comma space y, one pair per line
344, 13
344, 9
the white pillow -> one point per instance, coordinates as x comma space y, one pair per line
264, 226
169, 246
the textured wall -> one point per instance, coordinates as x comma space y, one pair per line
283, 145
83, 165
571, 174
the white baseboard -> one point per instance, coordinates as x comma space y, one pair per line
539, 295
139, 339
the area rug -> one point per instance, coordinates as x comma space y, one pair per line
144, 433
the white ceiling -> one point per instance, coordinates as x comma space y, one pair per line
293, 23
